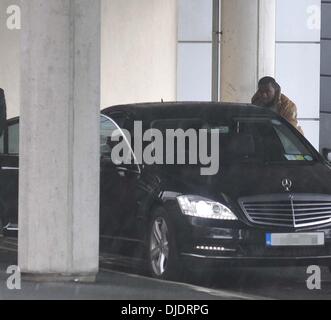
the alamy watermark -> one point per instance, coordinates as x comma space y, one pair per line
170, 147
314, 17
314, 281
14, 280
14, 21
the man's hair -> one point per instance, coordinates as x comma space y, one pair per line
269, 80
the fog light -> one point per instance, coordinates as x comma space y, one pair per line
210, 248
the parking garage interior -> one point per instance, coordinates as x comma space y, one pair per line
70, 59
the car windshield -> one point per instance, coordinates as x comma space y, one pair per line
256, 140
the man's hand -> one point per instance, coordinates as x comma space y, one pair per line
258, 100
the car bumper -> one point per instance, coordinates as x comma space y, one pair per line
194, 260
237, 244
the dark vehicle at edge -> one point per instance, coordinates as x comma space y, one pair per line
269, 204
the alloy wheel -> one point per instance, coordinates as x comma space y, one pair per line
159, 247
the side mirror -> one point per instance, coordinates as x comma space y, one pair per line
327, 154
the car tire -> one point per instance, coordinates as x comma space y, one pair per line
162, 255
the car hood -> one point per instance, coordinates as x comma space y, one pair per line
237, 181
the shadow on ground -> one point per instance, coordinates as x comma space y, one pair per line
270, 283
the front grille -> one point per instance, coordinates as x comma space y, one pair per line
288, 210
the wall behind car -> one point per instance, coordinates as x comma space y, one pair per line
297, 55
298, 59
139, 45
326, 75
138, 51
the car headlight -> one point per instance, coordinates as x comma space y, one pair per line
196, 206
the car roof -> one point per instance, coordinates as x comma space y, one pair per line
170, 110
188, 109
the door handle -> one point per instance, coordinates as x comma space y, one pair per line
122, 171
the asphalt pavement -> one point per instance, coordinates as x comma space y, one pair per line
122, 279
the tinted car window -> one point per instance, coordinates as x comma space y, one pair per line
2, 147
247, 139
271, 141
291, 146
107, 127
13, 139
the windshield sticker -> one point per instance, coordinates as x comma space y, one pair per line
298, 157
290, 157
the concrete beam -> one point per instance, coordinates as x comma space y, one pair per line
59, 140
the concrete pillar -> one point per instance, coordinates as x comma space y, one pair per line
59, 140
248, 46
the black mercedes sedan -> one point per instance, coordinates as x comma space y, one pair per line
236, 185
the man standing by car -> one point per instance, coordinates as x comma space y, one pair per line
3, 114
270, 95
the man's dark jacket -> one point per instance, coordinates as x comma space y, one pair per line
3, 113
